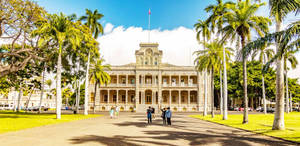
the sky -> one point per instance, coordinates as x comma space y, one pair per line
125, 25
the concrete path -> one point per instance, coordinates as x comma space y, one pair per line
132, 129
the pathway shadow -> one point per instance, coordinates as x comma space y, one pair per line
117, 140
171, 136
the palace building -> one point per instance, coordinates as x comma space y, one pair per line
149, 82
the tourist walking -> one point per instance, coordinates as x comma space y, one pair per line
163, 115
168, 115
111, 112
153, 113
149, 115
117, 111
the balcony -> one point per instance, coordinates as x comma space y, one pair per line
118, 85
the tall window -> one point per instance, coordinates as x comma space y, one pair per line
132, 98
105, 98
173, 98
114, 98
182, 99
165, 98
123, 98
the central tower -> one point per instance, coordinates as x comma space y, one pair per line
148, 55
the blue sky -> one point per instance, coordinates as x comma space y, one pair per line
166, 14
125, 24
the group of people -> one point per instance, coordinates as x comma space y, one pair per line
114, 112
166, 115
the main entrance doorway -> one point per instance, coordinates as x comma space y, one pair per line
148, 97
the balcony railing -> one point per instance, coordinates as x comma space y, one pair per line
118, 85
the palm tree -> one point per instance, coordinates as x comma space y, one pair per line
279, 10
59, 29
216, 18
287, 40
291, 58
264, 54
99, 76
240, 20
91, 19
202, 28
211, 58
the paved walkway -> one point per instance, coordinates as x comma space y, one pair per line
131, 129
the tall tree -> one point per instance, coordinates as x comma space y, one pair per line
210, 59
92, 21
279, 10
291, 58
264, 54
203, 31
58, 30
98, 75
240, 20
216, 19
287, 40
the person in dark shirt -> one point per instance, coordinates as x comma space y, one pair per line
149, 115
169, 115
163, 115
153, 113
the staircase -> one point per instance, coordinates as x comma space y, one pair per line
142, 108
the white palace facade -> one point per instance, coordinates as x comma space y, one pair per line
149, 82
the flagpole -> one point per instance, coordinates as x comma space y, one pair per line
149, 26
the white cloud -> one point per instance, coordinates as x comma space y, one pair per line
108, 28
295, 73
118, 46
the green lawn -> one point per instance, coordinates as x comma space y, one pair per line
12, 121
260, 123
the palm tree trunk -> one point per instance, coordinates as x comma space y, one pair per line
291, 102
221, 93
212, 92
225, 116
27, 102
78, 89
263, 87
205, 94
278, 123
42, 91
287, 92
58, 86
86, 95
245, 118
19, 99
94, 109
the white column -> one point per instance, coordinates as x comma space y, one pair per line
179, 82
117, 79
159, 90
126, 80
137, 92
153, 97
188, 80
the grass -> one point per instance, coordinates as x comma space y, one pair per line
12, 121
260, 123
